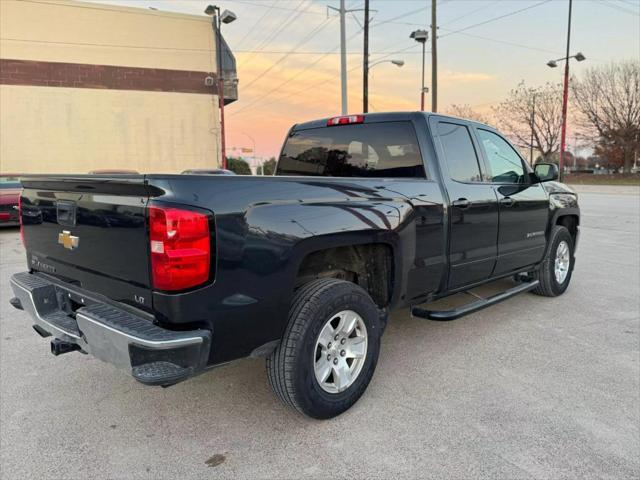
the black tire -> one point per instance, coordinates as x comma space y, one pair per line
549, 286
291, 366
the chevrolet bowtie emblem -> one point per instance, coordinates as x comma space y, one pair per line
67, 240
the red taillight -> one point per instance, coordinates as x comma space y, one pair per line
348, 120
20, 219
180, 248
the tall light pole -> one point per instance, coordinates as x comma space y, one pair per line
565, 92
565, 95
216, 20
397, 63
421, 36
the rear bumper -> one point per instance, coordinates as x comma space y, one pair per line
151, 354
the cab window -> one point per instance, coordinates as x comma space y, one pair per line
504, 163
459, 152
388, 149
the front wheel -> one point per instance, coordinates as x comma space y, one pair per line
329, 351
556, 269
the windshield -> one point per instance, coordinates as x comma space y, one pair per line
388, 149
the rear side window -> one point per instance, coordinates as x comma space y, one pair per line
459, 152
361, 150
505, 164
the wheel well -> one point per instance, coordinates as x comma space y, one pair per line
570, 222
370, 266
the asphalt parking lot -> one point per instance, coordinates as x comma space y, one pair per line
531, 388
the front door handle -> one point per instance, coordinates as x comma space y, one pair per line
507, 201
461, 203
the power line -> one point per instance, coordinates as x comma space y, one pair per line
311, 34
631, 3
291, 78
620, 8
505, 42
323, 55
484, 22
313, 85
393, 19
279, 28
471, 12
257, 22
284, 9
309, 52
153, 47
108, 45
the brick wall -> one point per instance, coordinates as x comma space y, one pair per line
77, 75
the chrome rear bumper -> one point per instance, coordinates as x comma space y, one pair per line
153, 355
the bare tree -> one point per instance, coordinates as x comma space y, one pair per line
465, 111
609, 99
540, 131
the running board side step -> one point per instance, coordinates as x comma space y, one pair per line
447, 315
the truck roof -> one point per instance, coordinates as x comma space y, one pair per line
380, 117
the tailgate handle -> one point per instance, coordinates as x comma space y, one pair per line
66, 213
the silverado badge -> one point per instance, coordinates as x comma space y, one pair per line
67, 240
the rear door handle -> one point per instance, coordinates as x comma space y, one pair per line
461, 203
507, 201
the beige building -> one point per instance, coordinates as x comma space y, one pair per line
86, 86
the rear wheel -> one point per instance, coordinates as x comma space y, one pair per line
330, 348
555, 271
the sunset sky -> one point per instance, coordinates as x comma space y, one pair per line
288, 54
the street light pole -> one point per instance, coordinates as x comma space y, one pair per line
220, 89
565, 97
216, 21
421, 36
422, 88
397, 63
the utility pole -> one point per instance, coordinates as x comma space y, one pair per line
343, 58
434, 58
343, 52
533, 123
365, 60
565, 97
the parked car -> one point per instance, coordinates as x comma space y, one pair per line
208, 171
365, 214
10, 188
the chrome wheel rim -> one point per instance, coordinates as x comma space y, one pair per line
341, 350
562, 262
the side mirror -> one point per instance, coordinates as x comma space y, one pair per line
546, 172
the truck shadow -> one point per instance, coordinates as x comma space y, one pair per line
240, 390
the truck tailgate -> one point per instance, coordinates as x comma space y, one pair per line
90, 231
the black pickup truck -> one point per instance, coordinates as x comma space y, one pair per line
167, 276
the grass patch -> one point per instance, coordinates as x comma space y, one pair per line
590, 179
